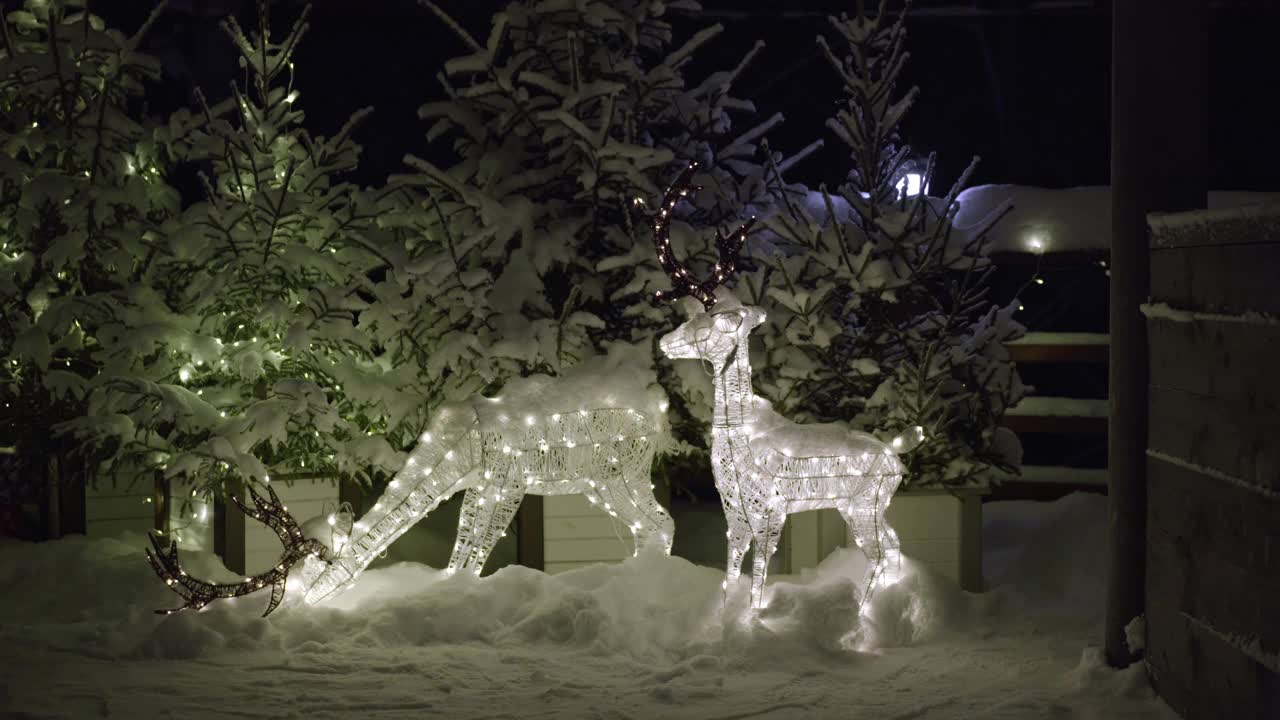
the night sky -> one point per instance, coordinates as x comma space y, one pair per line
1025, 85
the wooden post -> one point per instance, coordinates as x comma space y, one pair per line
351, 493
53, 497
530, 540
1159, 105
228, 534
161, 499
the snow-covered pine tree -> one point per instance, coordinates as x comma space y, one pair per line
81, 203
239, 355
565, 115
878, 306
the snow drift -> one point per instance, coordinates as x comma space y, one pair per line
645, 639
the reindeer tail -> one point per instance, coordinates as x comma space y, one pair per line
908, 440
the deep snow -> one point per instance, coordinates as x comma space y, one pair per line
645, 639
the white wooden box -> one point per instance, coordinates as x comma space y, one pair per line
940, 530
305, 500
112, 507
190, 518
576, 533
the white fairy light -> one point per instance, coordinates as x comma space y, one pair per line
761, 480
766, 466
494, 463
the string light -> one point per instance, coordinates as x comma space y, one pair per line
553, 450
727, 248
767, 467
199, 593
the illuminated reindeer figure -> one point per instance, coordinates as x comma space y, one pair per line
593, 431
767, 467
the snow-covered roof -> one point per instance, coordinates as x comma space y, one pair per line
1063, 219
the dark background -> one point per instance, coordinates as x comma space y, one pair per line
1022, 83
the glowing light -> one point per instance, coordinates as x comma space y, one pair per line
911, 184
766, 466
478, 454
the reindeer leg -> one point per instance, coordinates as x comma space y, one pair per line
484, 518
766, 538
649, 522
892, 552
879, 543
739, 536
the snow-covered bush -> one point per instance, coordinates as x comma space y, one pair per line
559, 121
82, 203
878, 309
236, 354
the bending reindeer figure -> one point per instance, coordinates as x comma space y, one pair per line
593, 431
767, 467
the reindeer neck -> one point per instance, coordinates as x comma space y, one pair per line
733, 392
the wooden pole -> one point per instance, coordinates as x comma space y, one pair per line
530, 533
1159, 138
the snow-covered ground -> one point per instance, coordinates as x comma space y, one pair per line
646, 639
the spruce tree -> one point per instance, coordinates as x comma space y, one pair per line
245, 358
83, 205
878, 307
559, 121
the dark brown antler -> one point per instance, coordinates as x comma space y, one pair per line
727, 247
198, 593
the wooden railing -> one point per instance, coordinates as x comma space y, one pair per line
1041, 414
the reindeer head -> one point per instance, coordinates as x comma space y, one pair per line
713, 335
715, 331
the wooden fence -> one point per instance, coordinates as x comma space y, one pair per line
1213, 519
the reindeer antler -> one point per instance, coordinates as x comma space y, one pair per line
727, 247
198, 593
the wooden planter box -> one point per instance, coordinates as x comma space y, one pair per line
111, 508
250, 547
939, 529
116, 505
576, 533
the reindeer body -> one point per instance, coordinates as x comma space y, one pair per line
588, 434
767, 467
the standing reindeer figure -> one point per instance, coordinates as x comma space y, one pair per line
767, 467
594, 431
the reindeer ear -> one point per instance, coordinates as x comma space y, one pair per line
690, 307
726, 299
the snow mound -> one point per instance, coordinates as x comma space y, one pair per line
613, 381
653, 637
